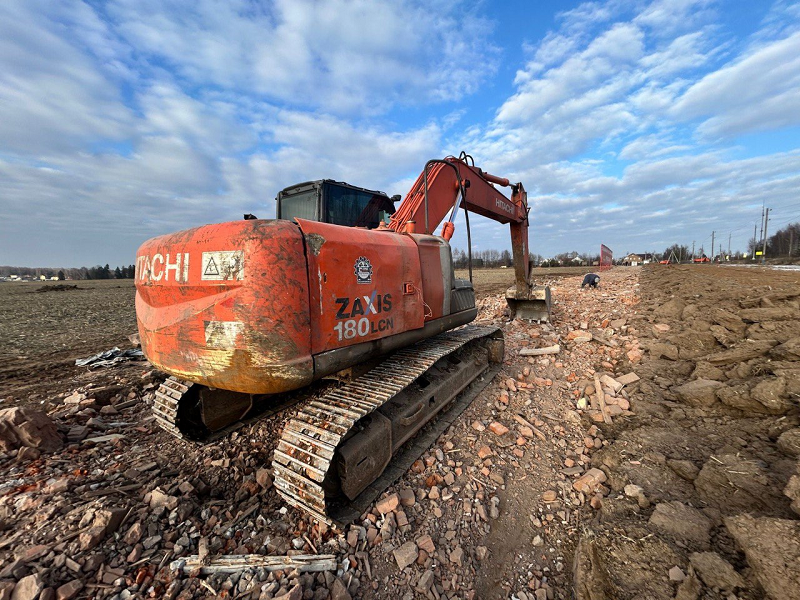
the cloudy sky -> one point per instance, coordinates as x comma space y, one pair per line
632, 123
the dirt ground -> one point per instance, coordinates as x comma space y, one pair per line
559, 481
42, 333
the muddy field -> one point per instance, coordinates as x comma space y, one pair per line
651, 456
43, 332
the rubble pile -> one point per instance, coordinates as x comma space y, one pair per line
97, 502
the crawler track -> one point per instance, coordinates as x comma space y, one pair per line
309, 441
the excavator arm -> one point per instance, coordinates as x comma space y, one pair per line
449, 183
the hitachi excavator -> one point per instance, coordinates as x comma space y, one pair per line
245, 316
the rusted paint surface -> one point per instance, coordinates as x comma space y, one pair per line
432, 277
241, 323
356, 285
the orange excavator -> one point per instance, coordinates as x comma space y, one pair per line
249, 316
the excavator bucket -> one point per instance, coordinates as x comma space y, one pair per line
532, 304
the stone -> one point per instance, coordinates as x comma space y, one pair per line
772, 548
159, 498
549, 496
24, 426
634, 355
406, 554
769, 393
498, 428
789, 350
675, 574
69, 590
352, 537
388, 503
664, 350
689, 589
589, 481
296, 593
425, 582
28, 588
682, 523
407, 497
484, 452
264, 478
789, 442
715, 571
742, 352
628, 378
456, 556
660, 328
481, 552
109, 519
673, 309
425, 542
792, 491
633, 491
700, 392
339, 591
91, 538
728, 320
134, 534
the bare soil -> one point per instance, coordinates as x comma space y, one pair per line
506, 512
41, 334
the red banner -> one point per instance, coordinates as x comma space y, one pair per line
606, 257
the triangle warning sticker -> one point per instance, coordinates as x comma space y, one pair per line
211, 267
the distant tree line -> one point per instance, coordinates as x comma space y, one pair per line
96, 272
784, 242
492, 259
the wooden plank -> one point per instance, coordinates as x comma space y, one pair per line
234, 563
540, 351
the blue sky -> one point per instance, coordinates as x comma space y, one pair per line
631, 123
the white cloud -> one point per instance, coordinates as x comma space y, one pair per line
757, 92
339, 55
52, 98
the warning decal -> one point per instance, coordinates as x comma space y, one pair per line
224, 265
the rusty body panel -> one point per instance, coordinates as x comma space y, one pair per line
246, 306
356, 281
227, 306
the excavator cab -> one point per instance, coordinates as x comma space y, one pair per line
334, 202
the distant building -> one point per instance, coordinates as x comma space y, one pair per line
637, 259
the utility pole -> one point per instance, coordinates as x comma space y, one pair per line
791, 240
761, 235
755, 241
764, 252
692, 249
712, 245
729, 244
